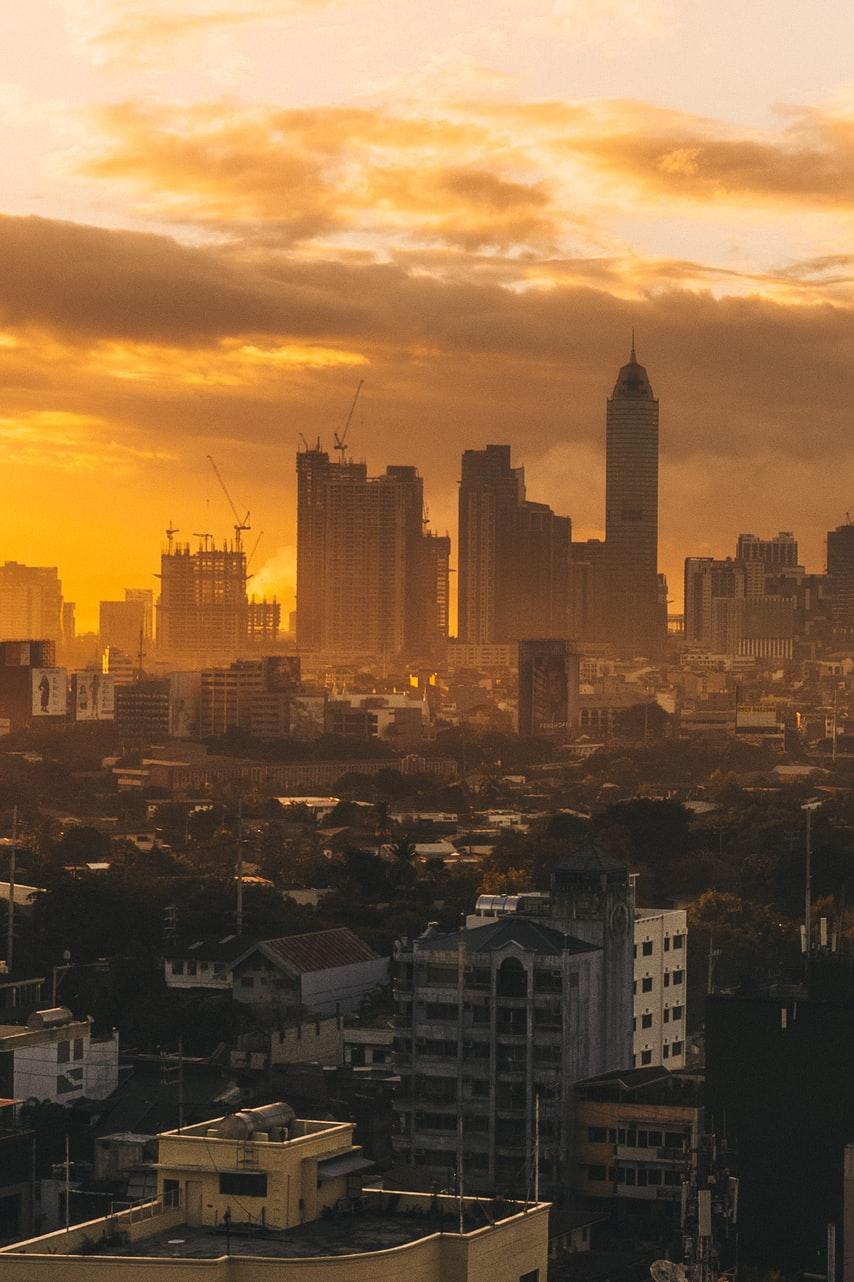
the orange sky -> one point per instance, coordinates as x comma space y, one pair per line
217, 217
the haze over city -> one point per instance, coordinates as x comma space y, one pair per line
216, 220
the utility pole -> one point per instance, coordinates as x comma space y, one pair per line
10, 917
180, 1084
239, 922
808, 807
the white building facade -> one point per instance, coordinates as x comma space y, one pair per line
660, 987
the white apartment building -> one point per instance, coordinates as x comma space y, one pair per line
55, 1057
660, 987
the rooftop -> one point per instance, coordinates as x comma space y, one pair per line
320, 950
530, 935
380, 1221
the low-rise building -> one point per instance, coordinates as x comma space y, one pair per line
55, 1057
637, 1135
262, 1196
324, 972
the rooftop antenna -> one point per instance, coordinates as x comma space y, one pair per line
633, 357
239, 525
341, 441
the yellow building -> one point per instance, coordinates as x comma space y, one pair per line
263, 1195
637, 1134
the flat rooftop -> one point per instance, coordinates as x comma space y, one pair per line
350, 1235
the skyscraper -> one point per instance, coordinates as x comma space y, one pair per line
514, 555
634, 616
369, 578
840, 572
30, 601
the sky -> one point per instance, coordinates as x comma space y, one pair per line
217, 216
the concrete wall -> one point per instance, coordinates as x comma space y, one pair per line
502, 1253
313, 1041
343, 987
292, 1195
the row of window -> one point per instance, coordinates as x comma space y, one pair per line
635, 1176
674, 1013
197, 968
674, 977
636, 1137
676, 941
674, 1049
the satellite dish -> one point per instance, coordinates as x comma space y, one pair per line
667, 1271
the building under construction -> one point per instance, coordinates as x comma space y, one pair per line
204, 616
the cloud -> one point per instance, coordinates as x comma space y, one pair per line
134, 31
161, 353
305, 174
57, 440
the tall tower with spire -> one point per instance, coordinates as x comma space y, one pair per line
635, 621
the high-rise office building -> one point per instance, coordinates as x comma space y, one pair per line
514, 555
30, 601
202, 611
775, 554
146, 597
121, 624
548, 688
708, 581
633, 606
840, 572
371, 582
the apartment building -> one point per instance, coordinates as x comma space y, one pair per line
660, 987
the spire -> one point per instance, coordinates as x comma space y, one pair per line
632, 380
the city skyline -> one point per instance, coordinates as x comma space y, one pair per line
215, 221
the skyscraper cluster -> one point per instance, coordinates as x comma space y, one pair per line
372, 582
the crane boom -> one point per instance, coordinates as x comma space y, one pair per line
341, 441
239, 525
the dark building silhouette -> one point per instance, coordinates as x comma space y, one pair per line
548, 687
371, 582
840, 570
514, 555
635, 622
778, 1095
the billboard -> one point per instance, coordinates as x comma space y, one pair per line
548, 687
94, 696
49, 688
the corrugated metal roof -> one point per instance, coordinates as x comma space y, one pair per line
320, 950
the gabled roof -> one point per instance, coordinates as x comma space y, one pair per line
213, 948
320, 950
629, 1079
530, 936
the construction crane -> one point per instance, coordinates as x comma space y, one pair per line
239, 525
251, 557
341, 441
205, 536
170, 534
